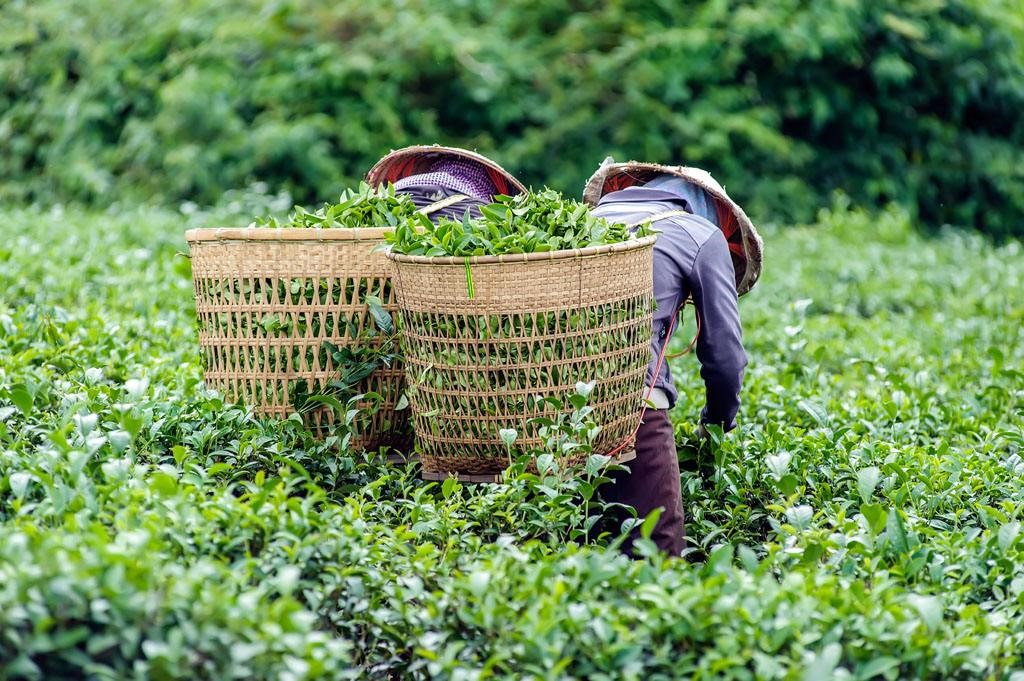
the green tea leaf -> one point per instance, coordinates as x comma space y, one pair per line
449, 487
1008, 534
19, 483
877, 667
816, 411
508, 436
21, 398
896, 531
163, 484
875, 515
867, 480
929, 608
381, 317
823, 664
650, 522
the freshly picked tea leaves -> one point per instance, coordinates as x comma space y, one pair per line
534, 222
364, 206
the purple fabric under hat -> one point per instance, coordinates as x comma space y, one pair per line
456, 174
425, 160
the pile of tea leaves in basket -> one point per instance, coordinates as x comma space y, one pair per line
533, 222
364, 206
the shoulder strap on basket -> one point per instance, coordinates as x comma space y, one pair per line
659, 216
443, 203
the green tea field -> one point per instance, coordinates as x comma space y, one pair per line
864, 521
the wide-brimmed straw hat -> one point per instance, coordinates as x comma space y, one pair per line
745, 243
422, 159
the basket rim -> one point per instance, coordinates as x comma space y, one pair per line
314, 234
513, 258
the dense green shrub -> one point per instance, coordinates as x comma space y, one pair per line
915, 102
862, 522
115, 604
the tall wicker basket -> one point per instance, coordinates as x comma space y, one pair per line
533, 325
268, 300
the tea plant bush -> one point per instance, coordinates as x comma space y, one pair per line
863, 522
784, 101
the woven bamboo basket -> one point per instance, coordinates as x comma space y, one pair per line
532, 327
267, 301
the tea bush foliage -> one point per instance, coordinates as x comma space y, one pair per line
915, 102
863, 522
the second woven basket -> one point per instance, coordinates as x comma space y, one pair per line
270, 302
486, 339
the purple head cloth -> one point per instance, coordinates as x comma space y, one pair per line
466, 177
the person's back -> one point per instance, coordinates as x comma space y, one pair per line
692, 261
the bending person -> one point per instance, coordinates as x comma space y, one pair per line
707, 252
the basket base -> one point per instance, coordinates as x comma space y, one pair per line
401, 459
625, 457
439, 476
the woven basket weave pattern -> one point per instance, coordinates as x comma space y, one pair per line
266, 306
533, 329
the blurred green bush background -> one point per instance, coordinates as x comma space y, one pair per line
917, 102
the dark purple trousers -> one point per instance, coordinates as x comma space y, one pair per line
652, 482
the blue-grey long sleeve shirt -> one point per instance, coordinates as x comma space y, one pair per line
691, 258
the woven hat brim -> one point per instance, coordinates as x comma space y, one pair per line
418, 159
614, 176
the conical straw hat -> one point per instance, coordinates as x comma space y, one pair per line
419, 159
744, 242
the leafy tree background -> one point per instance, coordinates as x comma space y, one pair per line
916, 102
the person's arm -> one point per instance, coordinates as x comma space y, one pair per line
719, 345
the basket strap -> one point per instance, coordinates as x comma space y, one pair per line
659, 216
443, 203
